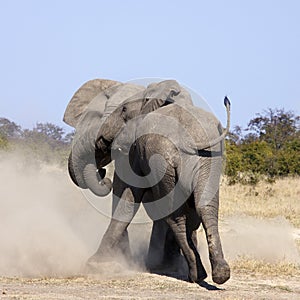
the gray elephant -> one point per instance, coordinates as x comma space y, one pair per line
90, 106
173, 155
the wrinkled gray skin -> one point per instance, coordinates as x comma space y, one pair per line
87, 111
189, 142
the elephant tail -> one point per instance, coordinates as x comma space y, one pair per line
224, 133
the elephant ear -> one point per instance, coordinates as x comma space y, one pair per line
84, 96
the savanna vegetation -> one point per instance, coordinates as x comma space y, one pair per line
268, 148
45, 143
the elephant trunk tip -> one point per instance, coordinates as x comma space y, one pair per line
100, 186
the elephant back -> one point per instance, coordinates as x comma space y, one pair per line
188, 127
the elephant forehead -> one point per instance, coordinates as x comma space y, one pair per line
161, 89
121, 94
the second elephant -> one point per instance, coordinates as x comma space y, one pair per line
174, 160
90, 106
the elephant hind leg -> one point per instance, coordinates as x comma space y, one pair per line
177, 223
156, 246
209, 216
193, 223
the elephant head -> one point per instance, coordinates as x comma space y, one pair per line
155, 96
86, 111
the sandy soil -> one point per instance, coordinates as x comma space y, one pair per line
49, 229
148, 286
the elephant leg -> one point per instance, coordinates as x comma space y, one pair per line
177, 223
172, 254
192, 240
164, 191
209, 216
185, 230
193, 220
123, 245
115, 239
193, 223
156, 245
163, 249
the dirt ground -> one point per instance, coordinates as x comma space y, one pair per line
49, 229
148, 286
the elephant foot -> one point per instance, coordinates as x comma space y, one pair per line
92, 264
99, 265
221, 272
176, 268
171, 263
199, 276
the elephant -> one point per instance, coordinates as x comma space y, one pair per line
87, 110
168, 157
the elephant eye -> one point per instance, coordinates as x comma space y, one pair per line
124, 109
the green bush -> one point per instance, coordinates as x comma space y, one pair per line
270, 149
4, 145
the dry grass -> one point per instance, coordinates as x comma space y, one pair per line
249, 266
265, 200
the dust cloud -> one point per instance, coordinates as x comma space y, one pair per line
268, 240
48, 228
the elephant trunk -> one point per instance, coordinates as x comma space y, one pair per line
71, 171
98, 185
86, 176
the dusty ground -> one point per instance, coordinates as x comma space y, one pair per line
49, 229
148, 286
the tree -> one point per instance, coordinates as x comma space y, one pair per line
235, 135
3, 142
275, 126
9, 129
50, 130
270, 148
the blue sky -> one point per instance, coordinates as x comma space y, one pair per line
248, 50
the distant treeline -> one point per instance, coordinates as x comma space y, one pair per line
267, 149
46, 142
